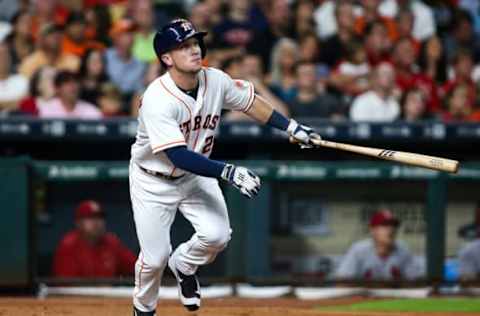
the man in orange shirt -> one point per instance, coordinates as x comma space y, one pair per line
90, 251
74, 41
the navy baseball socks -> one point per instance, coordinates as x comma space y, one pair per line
136, 312
188, 287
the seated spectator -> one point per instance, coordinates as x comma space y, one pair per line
350, 77
460, 106
461, 75
74, 40
250, 67
308, 102
89, 250
371, 14
409, 75
380, 257
67, 104
109, 100
469, 261
461, 36
404, 28
143, 18
324, 16
20, 40
46, 12
92, 75
333, 48
41, 90
377, 44
378, 104
432, 59
123, 69
13, 87
309, 48
282, 76
303, 21
49, 53
414, 106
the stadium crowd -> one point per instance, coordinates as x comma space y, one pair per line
363, 60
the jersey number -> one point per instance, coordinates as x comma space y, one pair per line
208, 144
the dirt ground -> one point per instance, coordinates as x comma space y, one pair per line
73, 306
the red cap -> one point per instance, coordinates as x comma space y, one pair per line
383, 217
88, 208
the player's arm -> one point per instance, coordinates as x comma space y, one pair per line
243, 179
263, 112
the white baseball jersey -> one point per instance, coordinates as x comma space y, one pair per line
363, 262
168, 117
469, 259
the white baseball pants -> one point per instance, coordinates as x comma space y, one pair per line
155, 202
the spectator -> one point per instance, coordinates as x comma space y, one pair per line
377, 44
282, 77
460, 106
250, 68
308, 103
409, 76
278, 15
469, 261
404, 27
123, 69
380, 257
462, 36
89, 251
92, 75
67, 104
74, 40
143, 39
461, 75
378, 104
324, 16
98, 24
309, 48
371, 14
424, 23
20, 40
13, 87
46, 12
414, 106
49, 53
236, 29
109, 100
41, 90
333, 49
304, 22
350, 77
201, 18
472, 7
432, 59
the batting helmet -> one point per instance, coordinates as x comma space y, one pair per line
175, 33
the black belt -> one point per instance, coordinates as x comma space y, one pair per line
160, 175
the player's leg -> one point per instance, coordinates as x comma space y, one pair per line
153, 220
206, 209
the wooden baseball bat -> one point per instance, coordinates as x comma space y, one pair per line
431, 162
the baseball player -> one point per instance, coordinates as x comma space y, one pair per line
170, 168
380, 257
469, 261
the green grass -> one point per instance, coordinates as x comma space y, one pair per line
413, 305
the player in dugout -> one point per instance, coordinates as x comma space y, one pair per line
89, 250
380, 257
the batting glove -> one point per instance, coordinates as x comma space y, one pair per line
243, 179
301, 134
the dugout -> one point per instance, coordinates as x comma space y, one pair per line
297, 214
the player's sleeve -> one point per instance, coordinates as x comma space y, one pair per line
161, 124
348, 268
467, 263
411, 268
239, 94
126, 258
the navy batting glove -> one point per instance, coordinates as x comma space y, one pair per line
301, 134
243, 179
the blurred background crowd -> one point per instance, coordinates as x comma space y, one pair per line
363, 60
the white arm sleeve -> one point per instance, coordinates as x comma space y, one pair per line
348, 266
162, 127
239, 94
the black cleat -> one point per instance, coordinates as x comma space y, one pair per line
188, 288
136, 312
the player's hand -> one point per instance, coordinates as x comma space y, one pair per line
301, 134
243, 179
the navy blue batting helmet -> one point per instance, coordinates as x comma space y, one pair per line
175, 33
